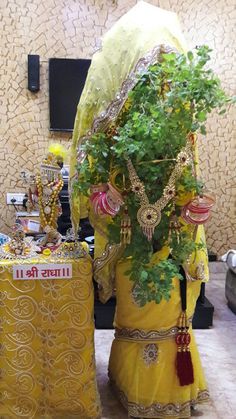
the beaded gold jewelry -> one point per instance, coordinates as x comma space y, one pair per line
125, 227
48, 200
149, 215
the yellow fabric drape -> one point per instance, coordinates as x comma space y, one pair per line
47, 351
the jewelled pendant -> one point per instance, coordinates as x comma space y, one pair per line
47, 210
148, 217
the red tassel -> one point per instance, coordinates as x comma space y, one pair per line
184, 365
180, 367
189, 376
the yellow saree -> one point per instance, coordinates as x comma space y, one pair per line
142, 360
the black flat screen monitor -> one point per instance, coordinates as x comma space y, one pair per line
66, 82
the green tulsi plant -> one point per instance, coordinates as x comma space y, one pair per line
172, 99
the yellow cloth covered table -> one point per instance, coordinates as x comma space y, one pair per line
47, 367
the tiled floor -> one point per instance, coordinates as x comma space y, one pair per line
217, 347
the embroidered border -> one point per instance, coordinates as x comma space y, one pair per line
199, 273
126, 333
143, 335
109, 253
109, 258
173, 410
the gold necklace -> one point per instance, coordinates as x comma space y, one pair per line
47, 210
149, 215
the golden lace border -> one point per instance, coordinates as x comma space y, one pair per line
128, 334
102, 121
159, 410
109, 258
111, 251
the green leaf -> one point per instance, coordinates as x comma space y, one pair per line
222, 111
201, 116
203, 130
143, 275
190, 55
169, 57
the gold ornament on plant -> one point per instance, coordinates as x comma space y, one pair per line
149, 215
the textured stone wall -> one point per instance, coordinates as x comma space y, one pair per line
68, 28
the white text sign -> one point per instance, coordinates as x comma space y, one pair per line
43, 271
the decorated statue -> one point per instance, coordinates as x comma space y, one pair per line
134, 172
18, 246
44, 191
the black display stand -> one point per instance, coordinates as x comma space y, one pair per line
203, 316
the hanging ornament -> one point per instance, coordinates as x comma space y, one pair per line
125, 230
184, 364
49, 205
175, 226
149, 215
